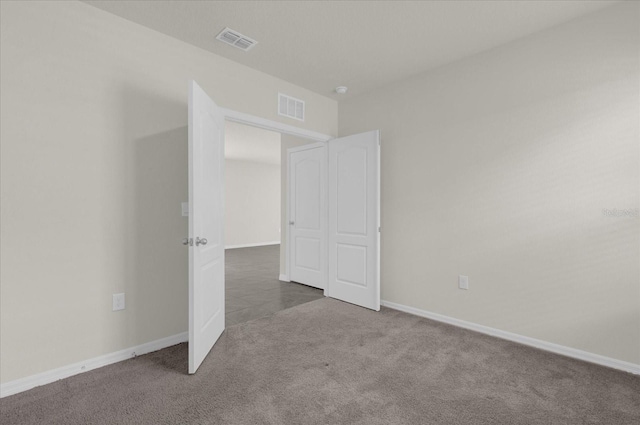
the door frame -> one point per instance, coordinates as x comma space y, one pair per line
288, 207
321, 139
267, 124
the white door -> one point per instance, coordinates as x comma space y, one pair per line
206, 238
354, 219
307, 214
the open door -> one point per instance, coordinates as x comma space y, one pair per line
206, 231
307, 214
354, 219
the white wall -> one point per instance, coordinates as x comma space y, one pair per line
252, 203
499, 167
93, 170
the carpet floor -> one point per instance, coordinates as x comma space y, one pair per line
328, 362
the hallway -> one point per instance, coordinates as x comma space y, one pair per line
252, 286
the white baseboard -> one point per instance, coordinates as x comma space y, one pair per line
251, 245
284, 278
532, 342
24, 384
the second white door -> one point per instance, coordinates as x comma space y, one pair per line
307, 215
354, 219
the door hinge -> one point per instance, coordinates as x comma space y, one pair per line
378, 229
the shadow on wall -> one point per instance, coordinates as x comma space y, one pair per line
156, 182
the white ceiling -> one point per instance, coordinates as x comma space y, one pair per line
246, 143
361, 44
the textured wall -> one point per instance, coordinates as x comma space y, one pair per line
94, 167
500, 167
252, 203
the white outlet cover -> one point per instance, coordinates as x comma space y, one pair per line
463, 282
118, 302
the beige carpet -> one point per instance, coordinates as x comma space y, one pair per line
327, 362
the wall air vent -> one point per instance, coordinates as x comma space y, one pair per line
235, 39
290, 107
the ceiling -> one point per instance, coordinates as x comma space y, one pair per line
360, 44
246, 143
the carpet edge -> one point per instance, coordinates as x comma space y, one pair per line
562, 350
23, 384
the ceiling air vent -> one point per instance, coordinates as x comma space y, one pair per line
290, 107
235, 39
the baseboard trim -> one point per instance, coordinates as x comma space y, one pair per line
532, 342
284, 278
29, 382
251, 245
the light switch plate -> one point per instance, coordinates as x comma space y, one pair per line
463, 282
118, 302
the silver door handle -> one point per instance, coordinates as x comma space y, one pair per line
187, 241
292, 223
202, 241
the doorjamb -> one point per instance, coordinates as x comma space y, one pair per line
267, 124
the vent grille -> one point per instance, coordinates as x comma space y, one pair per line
235, 39
290, 107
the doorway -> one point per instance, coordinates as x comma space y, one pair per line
254, 222
351, 192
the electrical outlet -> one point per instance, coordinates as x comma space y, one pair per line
118, 302
463, 282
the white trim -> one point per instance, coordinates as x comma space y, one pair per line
287, 218
267, 124
284, 278
532, 342
304, 147
24, 384
251, 245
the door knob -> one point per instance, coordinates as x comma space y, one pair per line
202, 241
187, 241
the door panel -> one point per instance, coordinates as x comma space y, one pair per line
354, 210
307, 215
206, 195
308, 253
351, 185
308, 191
351, 264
